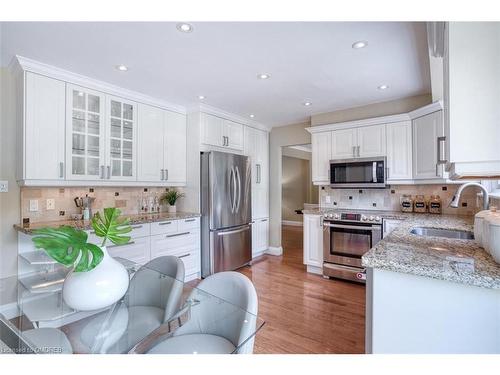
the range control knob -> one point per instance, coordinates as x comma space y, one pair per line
377, 218
363, 218
336, 216
372, 218
330, 215
325, 215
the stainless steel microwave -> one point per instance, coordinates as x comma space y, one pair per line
358, 173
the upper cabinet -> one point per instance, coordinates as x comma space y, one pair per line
85, 135
362, 142
399, 151
321, 154
219, 132
428, 139
43, 130
343, 144
161, 146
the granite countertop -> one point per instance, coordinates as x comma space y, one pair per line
460, 261
86, 225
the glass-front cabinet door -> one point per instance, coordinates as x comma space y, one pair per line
121, 139
85, 134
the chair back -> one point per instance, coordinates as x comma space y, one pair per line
150, 287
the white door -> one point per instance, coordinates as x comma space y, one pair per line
212, 130
150, 148
175, 147
321, 156
371, 141
121, 139
234, 135
44, 128
426, 130
85, 134
313, 241
399, 151
344, 144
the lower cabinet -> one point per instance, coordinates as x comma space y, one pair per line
260, 237
136, 251
313, 243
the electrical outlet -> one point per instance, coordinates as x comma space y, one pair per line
51, 204
328, 199
33, 205
4, 186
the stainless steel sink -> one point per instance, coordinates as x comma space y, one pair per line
446, 233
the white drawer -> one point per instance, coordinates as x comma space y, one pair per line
191, 259
137, 251
164, 227
166, 244
191, 224
138, 231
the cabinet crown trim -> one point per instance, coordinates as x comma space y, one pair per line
204, 108
51, 71
359, 123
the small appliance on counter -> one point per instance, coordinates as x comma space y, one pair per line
85, 205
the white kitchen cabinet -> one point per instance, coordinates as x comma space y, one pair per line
371, 141
321, 154
44, 128
137, 251
344, 144
427, 132
313, 243
85, 134
161, 146
399, 151
219, 132
257, 149
121, 139
260, 237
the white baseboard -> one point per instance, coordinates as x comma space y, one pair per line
290, 222
314, 269
277, 251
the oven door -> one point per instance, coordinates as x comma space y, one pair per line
345, 243
356, 173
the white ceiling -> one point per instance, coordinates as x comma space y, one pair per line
307, 62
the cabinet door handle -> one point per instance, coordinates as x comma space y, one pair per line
101, 172
189, 220
162, 174
264, 220
165, 223
61, 169
358, 150
185, 255
440, 140
166, 174
354, 151
177, 234
109, 172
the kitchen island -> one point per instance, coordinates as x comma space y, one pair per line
431, 294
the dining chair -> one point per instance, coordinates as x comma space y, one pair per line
40, 340
153, 297
215, 327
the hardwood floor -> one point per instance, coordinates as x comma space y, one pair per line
305, 313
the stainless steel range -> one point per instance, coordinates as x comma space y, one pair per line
346, 237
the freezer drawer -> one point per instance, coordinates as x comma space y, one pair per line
230, 249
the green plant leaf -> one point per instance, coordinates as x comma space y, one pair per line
69, 247
171, 196
111, 227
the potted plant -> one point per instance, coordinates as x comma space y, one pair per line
170, 197
96, 280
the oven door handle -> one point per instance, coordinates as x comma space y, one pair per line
342, 226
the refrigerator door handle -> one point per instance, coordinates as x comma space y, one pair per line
232, 188
246, 227
238, 178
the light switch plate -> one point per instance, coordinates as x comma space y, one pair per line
51, 204
33, 205
4, 186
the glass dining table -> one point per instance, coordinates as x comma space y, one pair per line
158, 314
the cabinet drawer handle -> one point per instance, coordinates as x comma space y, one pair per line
61, 169
177, 234
162, 174
125, 244
264, 220
165, 223
101, 172
136, 227
185, 255
109, 172
189, 220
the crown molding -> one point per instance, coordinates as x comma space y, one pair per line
37, 67
425, 110
205, 108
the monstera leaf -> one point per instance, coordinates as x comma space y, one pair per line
110, 226
68, 246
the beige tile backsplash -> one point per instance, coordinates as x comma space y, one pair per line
389, 199
125, 198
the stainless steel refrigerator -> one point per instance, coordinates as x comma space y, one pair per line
226, 237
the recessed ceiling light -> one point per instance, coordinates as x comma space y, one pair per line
184, 27
122, 68
252, 116
383, 87
307, 104
263, 76
359, 44
201, 97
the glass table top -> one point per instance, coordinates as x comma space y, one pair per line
158, 314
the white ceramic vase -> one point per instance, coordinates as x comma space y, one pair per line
98, 288
172, 209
